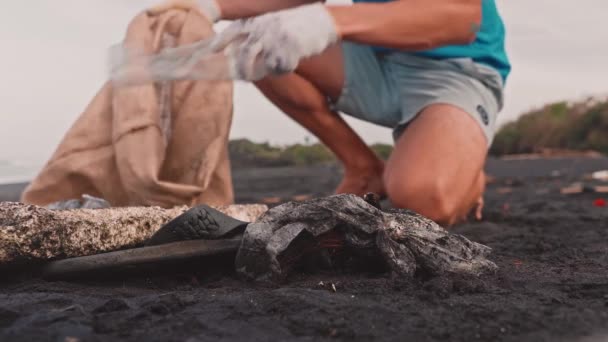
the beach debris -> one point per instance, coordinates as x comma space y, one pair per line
328, 286
600, 175
579, 188
300, 198
30, 233
86, 202
125, 259
267, 249
575, 188
601, 189
404, 241
600, 203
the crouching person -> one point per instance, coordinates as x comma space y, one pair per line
431, 70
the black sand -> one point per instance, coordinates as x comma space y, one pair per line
552, 251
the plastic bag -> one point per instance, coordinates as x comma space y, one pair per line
204, 60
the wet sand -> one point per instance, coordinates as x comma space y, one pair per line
552, 251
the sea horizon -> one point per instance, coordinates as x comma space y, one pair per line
14, 171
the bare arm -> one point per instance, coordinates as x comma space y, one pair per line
237, 9
409, 24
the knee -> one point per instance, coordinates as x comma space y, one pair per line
425, 195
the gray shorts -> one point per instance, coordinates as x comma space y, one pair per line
390, 89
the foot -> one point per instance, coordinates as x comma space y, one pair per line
362, 181
478, 209
476, 212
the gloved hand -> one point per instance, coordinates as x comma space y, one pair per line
248, 49
275, 43
208, 8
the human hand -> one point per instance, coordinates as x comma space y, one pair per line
207, 8
275, 43
248, 50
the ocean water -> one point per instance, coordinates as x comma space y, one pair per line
13, 171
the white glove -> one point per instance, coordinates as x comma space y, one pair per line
249, 50
208, 8
275, 43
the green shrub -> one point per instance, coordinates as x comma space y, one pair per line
580, 126
245, 153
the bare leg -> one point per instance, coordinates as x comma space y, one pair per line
437, 166
303, 97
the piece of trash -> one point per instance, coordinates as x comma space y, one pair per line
576, 188
504, 190
330, 286
518, 263
601, 189
600, 175
404, 241
600, 203
300, 198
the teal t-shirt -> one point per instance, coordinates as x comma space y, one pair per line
488, 48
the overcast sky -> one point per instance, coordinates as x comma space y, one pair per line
52, 63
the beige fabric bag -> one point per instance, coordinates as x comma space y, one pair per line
163, 145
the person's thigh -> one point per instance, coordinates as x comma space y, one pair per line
436, 162
315, 81
348, 77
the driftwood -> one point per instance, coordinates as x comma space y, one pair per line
404, 240
29, 233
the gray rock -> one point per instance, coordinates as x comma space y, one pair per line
30, 233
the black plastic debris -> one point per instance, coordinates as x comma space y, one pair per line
294, 233
407, 242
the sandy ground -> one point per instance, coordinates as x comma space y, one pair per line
552, 285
